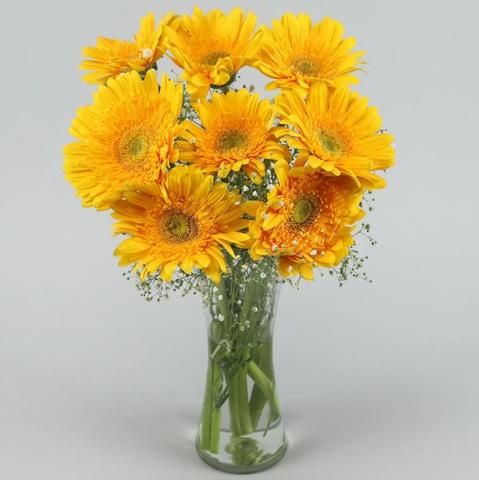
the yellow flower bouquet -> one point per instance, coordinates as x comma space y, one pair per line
218, 191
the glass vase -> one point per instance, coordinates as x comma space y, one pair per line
241, 430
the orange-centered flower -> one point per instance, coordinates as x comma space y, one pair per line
212, 47
307, 221
336, 132
125, 138
236, 133
297, 54
188, 222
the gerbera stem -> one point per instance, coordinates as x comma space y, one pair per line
245, 417
233, 401
215, 426
258, 398
238, 402
266, 386
211, 416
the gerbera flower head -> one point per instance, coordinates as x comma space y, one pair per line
212, 47
236, 134
307, 220
188, 221
126, 137
110, 57
297, 53
336, 132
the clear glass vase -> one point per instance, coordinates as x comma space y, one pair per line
241, 430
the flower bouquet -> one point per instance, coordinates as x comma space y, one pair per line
219, 192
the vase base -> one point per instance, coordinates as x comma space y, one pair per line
261, 465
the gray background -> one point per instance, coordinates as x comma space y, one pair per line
376, 381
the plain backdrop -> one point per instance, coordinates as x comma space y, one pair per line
377, 382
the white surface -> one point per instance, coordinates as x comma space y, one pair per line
377, 382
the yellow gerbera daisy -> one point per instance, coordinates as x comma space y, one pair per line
126, 137
111, 57
337, 132
307, 220
185, 222
297, 54
212, 47
236, 132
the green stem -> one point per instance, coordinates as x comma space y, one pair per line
238, 403
266, 386
211, 415
245, 418
215, 411
233, 401
205, 414
263, 359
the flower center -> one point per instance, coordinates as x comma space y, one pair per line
306, 66
133, 148
330, 143
178, 227
213, 57
231, 139
304, 212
